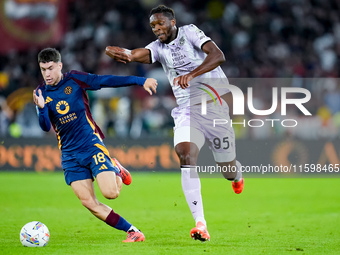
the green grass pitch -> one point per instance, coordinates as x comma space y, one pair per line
271, 216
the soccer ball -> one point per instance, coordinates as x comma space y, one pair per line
34, 234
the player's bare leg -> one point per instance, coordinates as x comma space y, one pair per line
233, 174
110, 185
84, 190
237, 179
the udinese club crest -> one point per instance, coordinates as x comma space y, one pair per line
181, 41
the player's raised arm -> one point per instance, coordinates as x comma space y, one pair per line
122, 55
38, 99
215, 57
44, 120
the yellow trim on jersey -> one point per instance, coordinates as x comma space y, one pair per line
106, 152
93, 127
58, 138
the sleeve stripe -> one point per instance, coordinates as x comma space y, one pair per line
150, 56
205, 43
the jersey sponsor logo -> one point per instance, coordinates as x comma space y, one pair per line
48, 99
68, 118
178, 57
68, 90
103, 167
62, 107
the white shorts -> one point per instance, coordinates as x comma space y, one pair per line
192, 126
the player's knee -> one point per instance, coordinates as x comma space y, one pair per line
111, 194
187, 155
186, 159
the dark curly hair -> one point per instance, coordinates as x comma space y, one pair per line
48, 55
167, 11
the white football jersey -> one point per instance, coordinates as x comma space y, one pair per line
183, 55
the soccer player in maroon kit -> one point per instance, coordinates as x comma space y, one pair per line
62, 100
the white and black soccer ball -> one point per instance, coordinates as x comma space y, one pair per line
34, 234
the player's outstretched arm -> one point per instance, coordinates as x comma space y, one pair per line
215, 57
141, 55
150, 85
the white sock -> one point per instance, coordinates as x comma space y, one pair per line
133, 228
239, 172
191, 186
201, 219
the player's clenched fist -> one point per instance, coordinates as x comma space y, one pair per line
150, 85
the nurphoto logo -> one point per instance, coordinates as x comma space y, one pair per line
288, 96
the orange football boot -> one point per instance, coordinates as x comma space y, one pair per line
200, 232
238, 186
126, 176
133, 236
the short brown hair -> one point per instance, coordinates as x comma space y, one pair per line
48, 55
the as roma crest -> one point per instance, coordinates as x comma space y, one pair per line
68, 90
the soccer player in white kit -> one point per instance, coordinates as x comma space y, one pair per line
190, 59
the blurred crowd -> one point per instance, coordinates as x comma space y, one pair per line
294, 39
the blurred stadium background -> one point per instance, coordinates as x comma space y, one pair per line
296, 39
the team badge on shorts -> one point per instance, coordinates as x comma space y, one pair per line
68, 90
